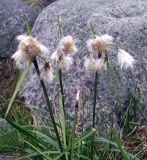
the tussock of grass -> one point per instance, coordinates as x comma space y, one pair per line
46, 138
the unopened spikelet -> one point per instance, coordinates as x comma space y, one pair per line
99, 44
67, 45
46, 73
28, 49
78, 96
125, 60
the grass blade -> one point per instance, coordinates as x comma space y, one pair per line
82, 138
40, 153
63, 122
74, 130
24, 131
25, 72
37, 150
124, 157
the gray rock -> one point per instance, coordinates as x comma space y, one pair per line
12, 24
124, 20
40, 4
7, 157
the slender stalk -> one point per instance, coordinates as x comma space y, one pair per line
28, 26
48, 104
92, 29
60, 71
94, 109
60, 28
74, 129
45, 93
94, 102
61, 86
95, 95
63, 125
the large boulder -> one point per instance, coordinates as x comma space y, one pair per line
12, 24
124, 20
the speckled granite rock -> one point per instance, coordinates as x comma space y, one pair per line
124, 20
40, 4
6, 157
12, 23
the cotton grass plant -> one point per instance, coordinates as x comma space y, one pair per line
54, 139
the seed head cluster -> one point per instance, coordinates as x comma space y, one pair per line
29, 48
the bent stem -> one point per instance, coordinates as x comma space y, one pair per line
48, 104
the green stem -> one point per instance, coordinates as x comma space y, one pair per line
60, 28
61, 88
60, 71
94, 103
48, 104
95, 95
74, 129
28, 26
45, 92
94, 109
92, 29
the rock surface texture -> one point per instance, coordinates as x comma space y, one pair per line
40, 4
4, 157
124, 20
12, 24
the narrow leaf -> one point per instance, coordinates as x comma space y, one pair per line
25, 72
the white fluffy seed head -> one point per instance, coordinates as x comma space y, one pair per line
55, 57
125, 60
99, 44
46, 73
30, 46
67, 45
65, 62
28, 49
107, 39
100, 64
92, 64
20, 60
88, 63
